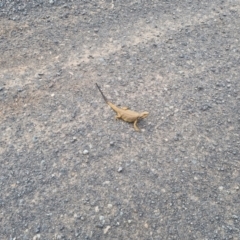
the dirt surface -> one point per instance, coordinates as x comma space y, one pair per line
69, 170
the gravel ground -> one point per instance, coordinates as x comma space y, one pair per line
69, 170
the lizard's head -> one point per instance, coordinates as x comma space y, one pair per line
143, 115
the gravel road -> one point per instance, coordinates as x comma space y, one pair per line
69, 170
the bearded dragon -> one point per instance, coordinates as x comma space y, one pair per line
124, 113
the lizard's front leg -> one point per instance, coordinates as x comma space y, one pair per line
118, 116
135, 125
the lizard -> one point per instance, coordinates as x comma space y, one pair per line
125, 113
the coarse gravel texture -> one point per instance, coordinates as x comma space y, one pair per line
69, 170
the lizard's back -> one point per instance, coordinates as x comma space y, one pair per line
126, 115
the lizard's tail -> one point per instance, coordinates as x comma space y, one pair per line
105, 99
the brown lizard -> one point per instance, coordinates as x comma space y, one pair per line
124, 113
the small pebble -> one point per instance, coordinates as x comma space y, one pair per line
120, 169
105, 230
74, 139
37, 229
99, 226
76, 216
96, 209
85, 152
102, 219
37, 237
